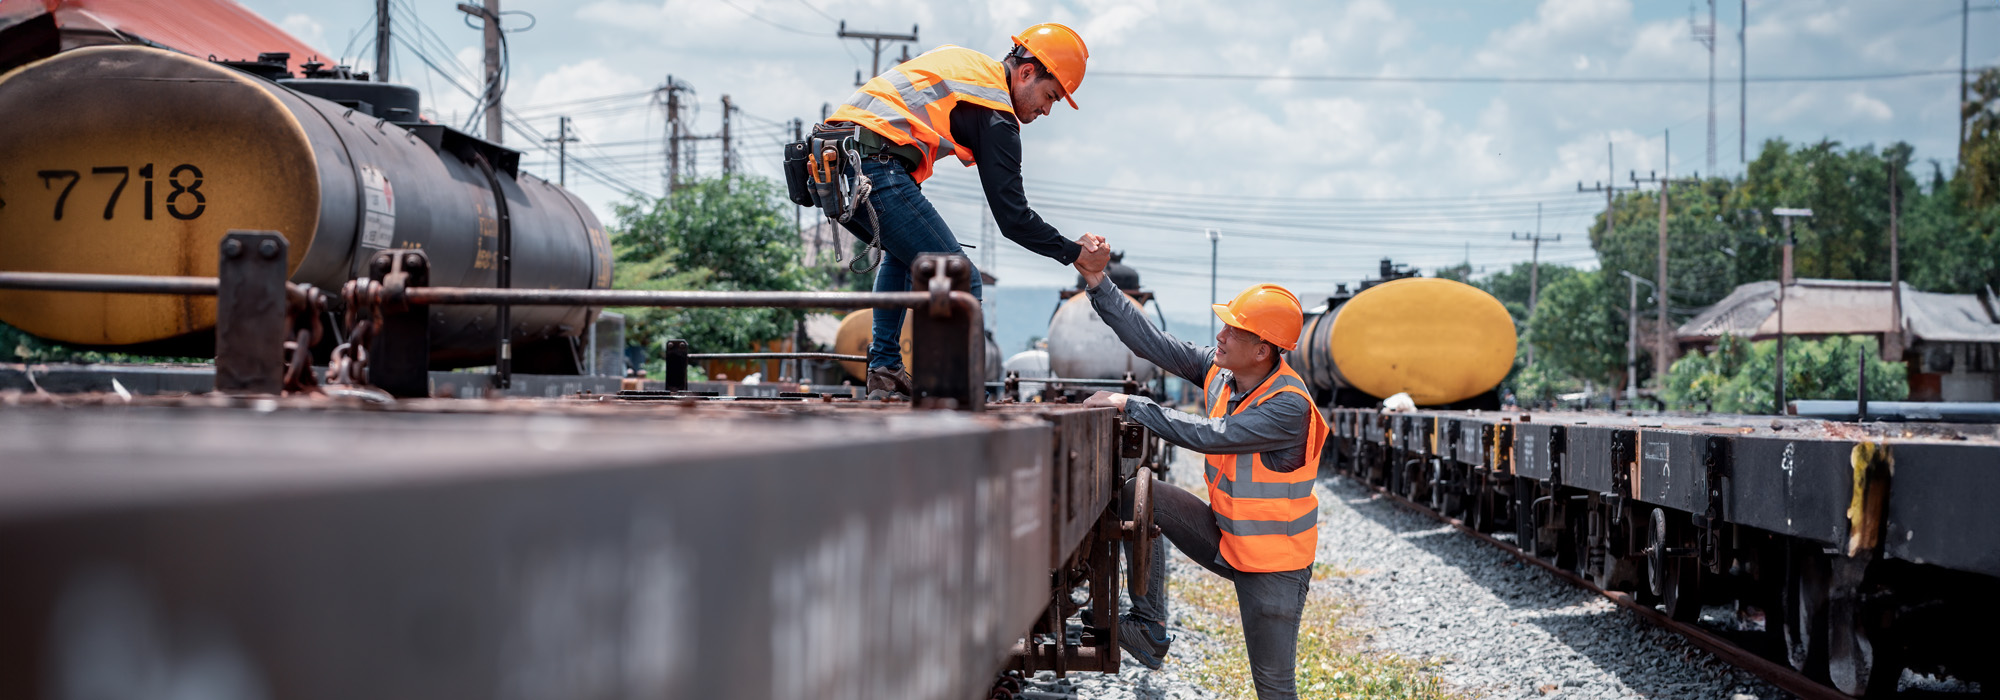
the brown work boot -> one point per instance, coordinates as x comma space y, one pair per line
887, 383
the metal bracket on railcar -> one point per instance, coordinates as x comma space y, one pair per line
388, 339
250, 315
949, 341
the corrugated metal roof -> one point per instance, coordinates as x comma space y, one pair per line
1844, 307
201, 28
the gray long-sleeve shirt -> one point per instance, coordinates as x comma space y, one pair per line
1276, 427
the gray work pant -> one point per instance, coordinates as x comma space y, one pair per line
1269, 603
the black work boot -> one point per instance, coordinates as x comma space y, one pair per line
1147, 642
888, 383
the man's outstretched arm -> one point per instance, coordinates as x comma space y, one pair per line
1185, 360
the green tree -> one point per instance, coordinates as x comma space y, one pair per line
1461, 272
722, 234
1579, 327
1741, 377
1510, 286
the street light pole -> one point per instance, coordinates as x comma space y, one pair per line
1785, 280
1214, 248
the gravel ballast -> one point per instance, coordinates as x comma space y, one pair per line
1499, 627
1492, 627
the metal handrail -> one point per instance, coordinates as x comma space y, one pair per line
663, 299
777, 356
111, 284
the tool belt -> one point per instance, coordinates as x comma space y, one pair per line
824, 171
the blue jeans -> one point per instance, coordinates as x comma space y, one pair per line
910, 225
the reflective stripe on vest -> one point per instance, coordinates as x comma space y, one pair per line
1268, 519
911, 103
1249, 528
1256, 489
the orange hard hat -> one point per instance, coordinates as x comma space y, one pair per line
1060, 50
1268, 310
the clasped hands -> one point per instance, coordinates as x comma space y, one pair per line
1095, 256
1091, 263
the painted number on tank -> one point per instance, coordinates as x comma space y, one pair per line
192, 188
186, 201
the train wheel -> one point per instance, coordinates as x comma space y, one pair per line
1675, 578
1859, 660
1454, 492
1478, 514
1682, 596
1570, 540
1524, 516
1805, 613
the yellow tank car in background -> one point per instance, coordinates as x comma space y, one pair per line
1438, 340
856, 331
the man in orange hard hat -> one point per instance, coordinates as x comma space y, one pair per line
1262, 437
953, 101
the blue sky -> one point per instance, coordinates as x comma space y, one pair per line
1310, 181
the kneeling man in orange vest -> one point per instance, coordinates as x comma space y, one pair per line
1262, 437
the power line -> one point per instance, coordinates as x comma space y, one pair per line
760, 18
1509, 80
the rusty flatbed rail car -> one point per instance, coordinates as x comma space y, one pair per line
314, 548
356, 542
1870, 547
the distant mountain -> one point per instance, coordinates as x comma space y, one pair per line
1017, 315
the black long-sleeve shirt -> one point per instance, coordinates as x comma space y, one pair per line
995, 141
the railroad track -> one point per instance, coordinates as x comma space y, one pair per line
1784, 677
1871, 547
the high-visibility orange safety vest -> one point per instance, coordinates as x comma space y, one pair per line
1269, 519
911, 104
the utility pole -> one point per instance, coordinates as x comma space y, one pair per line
728, 155
1895, 337
1535, 258
1632, 333
562, 141
1610, 189
1742, 88
672, 90
877, 38
1663, 348
1964, 34
1785, 280
1534, 267
798, 216
494, 90
1214, 249
382, 41
1706, 35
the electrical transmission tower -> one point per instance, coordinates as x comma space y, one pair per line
1706, 35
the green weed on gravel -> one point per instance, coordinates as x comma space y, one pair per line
1331, 661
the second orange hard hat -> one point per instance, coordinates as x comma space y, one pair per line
1268, 310
1061, 51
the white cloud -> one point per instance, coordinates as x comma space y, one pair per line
305, 28
1253, 138
1867, 107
